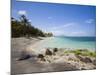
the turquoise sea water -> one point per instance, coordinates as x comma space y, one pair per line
71, 42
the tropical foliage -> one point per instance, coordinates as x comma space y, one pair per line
24, 28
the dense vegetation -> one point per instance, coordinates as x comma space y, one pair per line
82, 52
23, 28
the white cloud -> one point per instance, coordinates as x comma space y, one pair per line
22, 12
77, 33
63, 26
30, 20
49, 17
89, 21
69, 33
57, 32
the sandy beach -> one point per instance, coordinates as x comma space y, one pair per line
55, 62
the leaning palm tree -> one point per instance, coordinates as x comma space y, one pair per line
26, 25
24, 20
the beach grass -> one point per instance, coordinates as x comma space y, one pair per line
82, 52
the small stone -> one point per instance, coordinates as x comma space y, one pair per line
40, 56
48, 52
94, 62
88, 60
85, 59
55, 49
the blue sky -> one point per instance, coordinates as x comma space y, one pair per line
60, 19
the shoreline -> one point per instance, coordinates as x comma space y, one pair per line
59, 61
38, 45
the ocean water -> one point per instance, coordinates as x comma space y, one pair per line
70, 42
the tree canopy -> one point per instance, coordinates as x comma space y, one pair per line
23, 28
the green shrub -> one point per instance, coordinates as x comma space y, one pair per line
82, 52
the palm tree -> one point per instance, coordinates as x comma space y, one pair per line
26, 25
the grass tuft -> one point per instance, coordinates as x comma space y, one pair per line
82, 52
